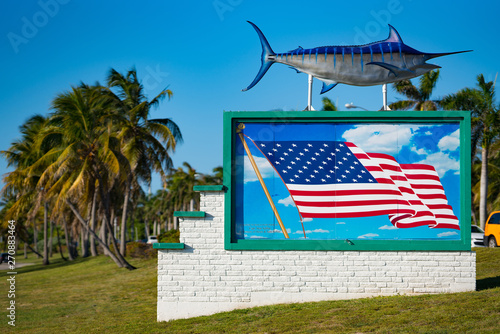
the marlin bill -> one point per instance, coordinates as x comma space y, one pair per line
371, 64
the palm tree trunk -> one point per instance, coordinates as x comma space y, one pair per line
483, 192
50, 237
133, 229
35, 238
45, 235
146, 228
85, 243
25, 251
59, 244
93, 249
32, 249
114, 257
105, 201
72, 236
123, 248
103, 234
69, 242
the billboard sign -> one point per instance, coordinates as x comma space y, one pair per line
347, 181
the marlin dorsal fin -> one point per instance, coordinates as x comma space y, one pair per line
393, 35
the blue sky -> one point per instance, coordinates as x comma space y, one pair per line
206, 52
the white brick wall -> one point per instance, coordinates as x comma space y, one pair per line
204, 278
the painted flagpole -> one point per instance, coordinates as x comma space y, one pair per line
241, 126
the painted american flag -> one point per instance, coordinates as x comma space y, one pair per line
333, 179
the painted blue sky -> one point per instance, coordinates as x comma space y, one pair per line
206, 52
432, 144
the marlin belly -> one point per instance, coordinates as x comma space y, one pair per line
350, 69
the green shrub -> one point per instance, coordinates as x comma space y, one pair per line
171, 236
141, 250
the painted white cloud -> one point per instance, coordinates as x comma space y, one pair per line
257, 237
305, 220
446, 234
368, 235
381, 138
265, 168
340, 223
442, 162
428, 133
280, 231
451, 142
288, 201
420, 151
318, 230
388, 227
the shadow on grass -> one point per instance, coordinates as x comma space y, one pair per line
488, 283
56, 263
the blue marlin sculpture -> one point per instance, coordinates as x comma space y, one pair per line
377, 63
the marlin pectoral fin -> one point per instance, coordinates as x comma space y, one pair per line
391, 68
293, 68
327, 85
429, 67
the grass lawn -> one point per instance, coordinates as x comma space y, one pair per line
93, 295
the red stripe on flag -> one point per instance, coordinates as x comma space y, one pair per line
417, 166
343, 192
352, 214
422, 177
334, 204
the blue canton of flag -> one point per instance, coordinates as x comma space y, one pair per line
315, 162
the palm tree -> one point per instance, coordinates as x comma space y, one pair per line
494, 177
418, 98
88, 157
181, 186
22, 182
213, 179
328, 105
485, 127
146, 143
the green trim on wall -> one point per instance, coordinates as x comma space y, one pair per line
189, 214
232, 118
349, 245
209, 188
165, 245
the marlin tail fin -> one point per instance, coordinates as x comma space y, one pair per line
267, 57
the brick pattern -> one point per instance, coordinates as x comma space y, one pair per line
205, 272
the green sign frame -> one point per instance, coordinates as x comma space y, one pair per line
233, 118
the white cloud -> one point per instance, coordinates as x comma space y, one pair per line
381, 138
340, 223
451, 142
368, 235
446, 234
280, 231
257, 237
388, 227
442, 162
428, 133
311, 231
288, 201
420, 151
265, 168
305, 220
